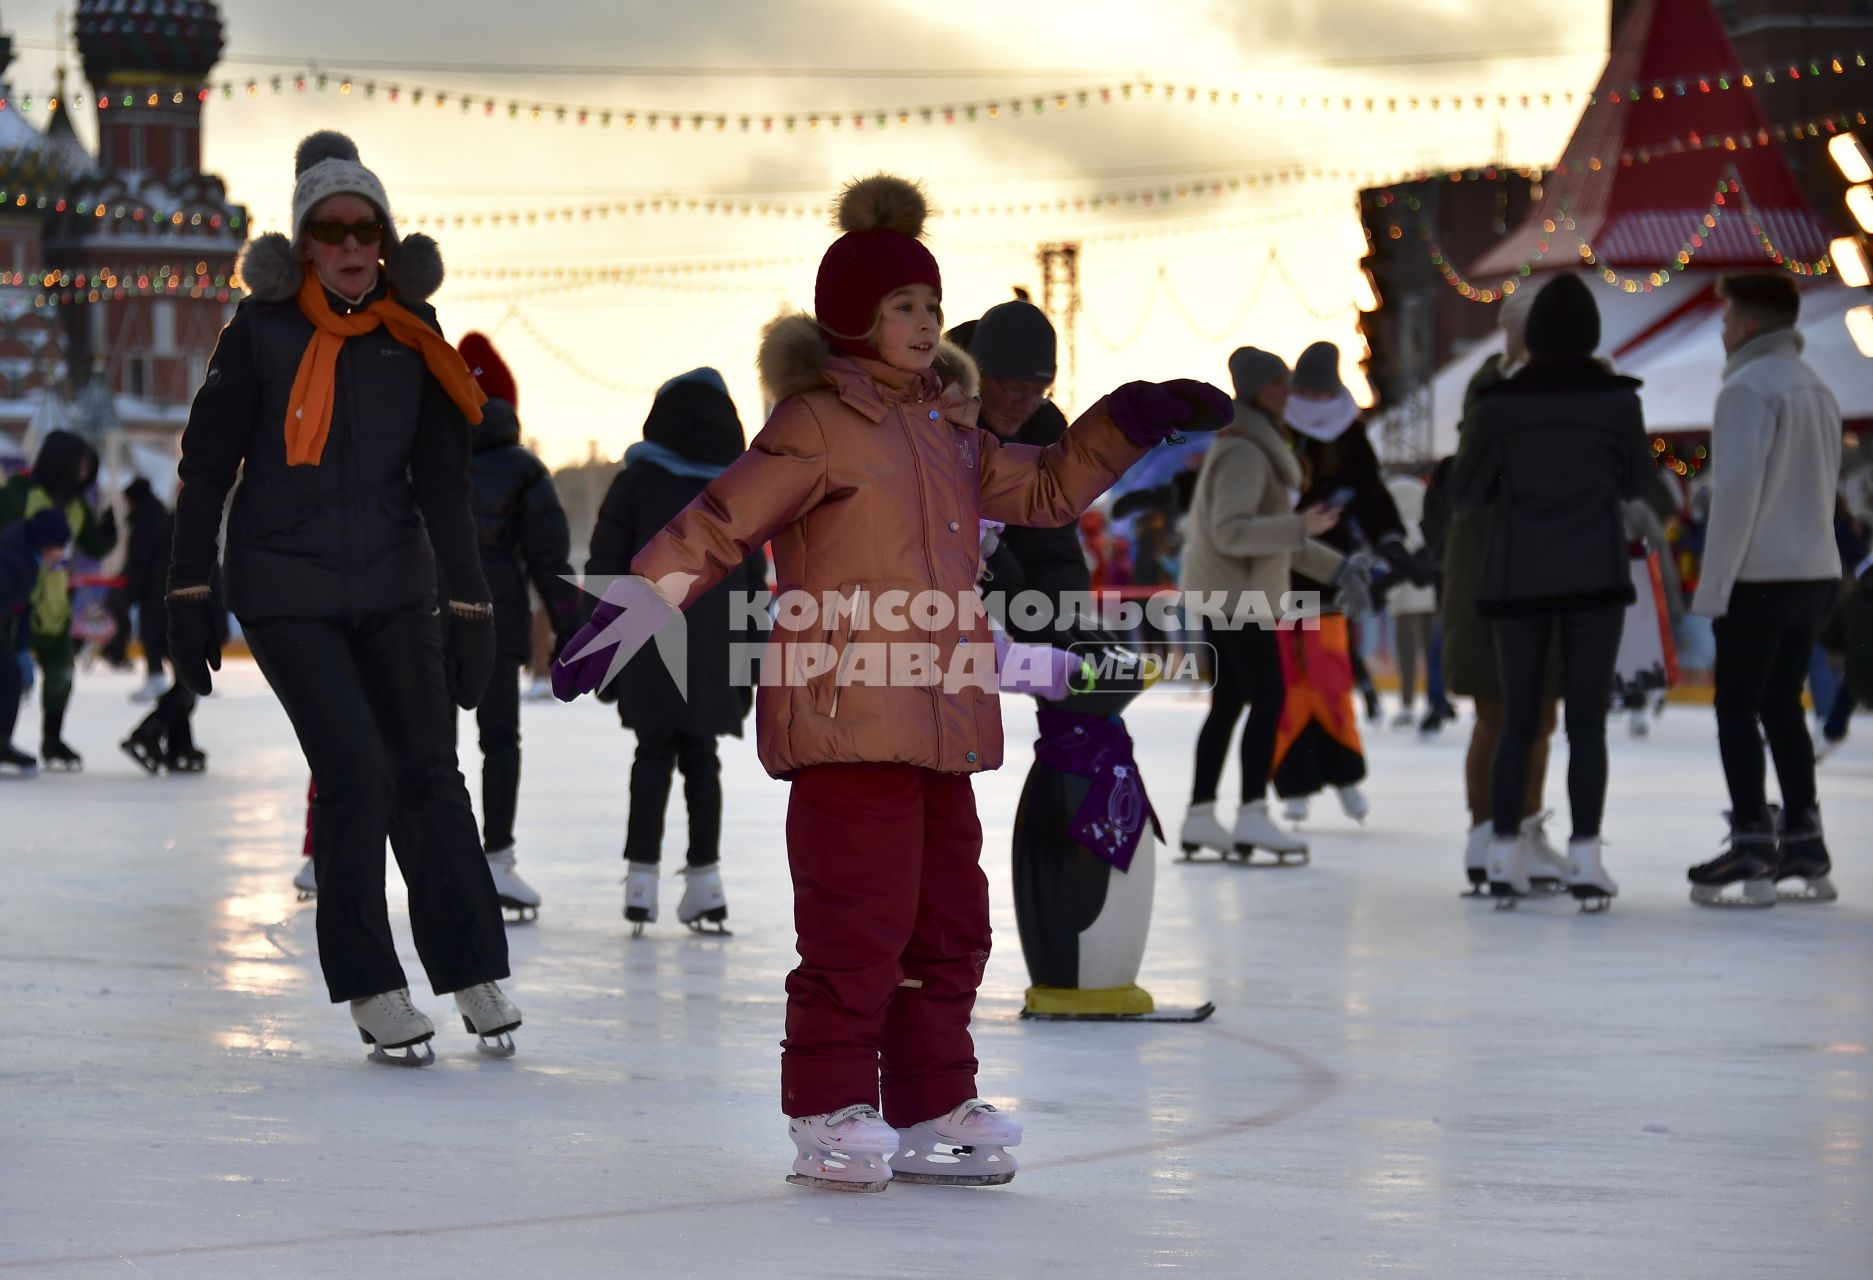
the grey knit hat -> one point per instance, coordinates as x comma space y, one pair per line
1252, 369
1318, 370
327, 165
1015, 340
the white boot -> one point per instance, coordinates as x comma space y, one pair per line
1508, 869
1256, 830
1294, 808
1353, 800
150, 690
640, 896
1476, 858
1637, 725
515, 894
1202, 831
541, 690
306, 880
390, 1021
487, 1012
843, 1150
1587, 880
703, 903
1543, 861
966, 1148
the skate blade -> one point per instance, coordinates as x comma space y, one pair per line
148, 763
708, 928
1818, 890
1505, 895
307, 895
1753, 898
524, 913
1282, 857
418, 1054
1193, 852
1592, 901
835, 1184
496, 1044
954, 1179
1163, 1013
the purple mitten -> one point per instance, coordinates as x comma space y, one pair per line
1148, 412
1038, 669
629, 613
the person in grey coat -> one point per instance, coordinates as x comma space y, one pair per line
1559, 449
1771, 572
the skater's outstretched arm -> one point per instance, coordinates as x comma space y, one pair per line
778, 480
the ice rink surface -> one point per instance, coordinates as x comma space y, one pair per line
1397, 1082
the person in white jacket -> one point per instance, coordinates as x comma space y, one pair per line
1411, 608
1770, 573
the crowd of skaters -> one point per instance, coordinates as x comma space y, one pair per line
383, 578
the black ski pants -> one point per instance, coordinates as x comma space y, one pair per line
1248, 673
1764, 641
498, 719
369, 703
659, 754
1589, 643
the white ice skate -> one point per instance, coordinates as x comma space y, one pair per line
1638, 724
704, 906
515, 894
640, 896
1256, 830
1825, 746
1294, 808
488, 1013
1476, 859
1508, 871
1354, 801
1202, 831
1587, 880
1405, 721
966, 1148
390, 1021
149, 691
1547, 868
541, 690
843, 1150
306, 880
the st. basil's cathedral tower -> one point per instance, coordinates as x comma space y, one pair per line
141, 250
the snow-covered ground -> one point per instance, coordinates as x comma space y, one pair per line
1398, 1081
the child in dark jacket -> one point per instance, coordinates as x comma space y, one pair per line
26, 546
690, 437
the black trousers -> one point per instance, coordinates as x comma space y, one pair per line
10, 677
1764, 642
1589, 643
1248, 673
367, 698
659, 754
498, 718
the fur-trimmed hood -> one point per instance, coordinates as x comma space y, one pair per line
271, 270
794, 353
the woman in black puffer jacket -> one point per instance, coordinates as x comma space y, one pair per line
1560, 448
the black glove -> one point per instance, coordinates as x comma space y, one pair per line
194, 642
468, 652
1414, 566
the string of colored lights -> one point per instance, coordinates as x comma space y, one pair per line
1665, 455
316, 79
1729, 189
133, 209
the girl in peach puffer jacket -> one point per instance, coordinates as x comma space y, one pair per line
869, 481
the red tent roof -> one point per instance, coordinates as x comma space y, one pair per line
1639, 175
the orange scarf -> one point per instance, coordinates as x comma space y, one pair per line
309, 411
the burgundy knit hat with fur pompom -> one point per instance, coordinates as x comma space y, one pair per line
882, 217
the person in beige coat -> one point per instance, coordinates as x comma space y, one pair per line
1244, 536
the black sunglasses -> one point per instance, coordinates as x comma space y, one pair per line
327, 231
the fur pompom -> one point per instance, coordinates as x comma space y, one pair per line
883, 201
269, 269
414, 268
326, 144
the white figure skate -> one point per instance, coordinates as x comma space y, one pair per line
306, 880
1476, 859
149, 691
1547, 867
1354, 801
966, 1148
1256, 830
843, 1150
704, 907
1294, 808
490, 1015
1587, 880
516, 895
390, 1021
1202, 831
640, 896
1508, 871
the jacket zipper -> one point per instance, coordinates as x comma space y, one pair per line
923, 507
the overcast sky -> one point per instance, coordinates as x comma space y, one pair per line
1170, 303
